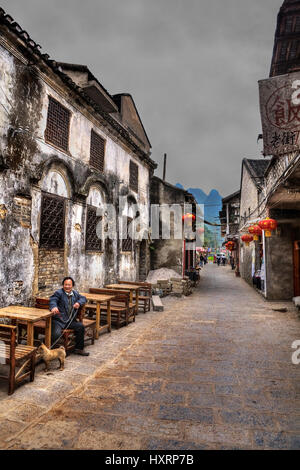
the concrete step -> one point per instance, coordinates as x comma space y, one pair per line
157, 304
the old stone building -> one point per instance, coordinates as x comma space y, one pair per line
68, 147
230, 219
286, 51
251, 211
171, 253
278, 195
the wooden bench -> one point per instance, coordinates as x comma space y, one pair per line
15, 355
68, 336
122, 311
145, 294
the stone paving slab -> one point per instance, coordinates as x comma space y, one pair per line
213, 371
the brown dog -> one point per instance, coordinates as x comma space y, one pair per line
49, 355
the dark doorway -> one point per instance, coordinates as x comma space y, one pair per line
297, 268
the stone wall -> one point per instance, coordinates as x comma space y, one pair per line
29, 167
279, 262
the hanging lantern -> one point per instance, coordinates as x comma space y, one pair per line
256, 231
268, 225
189, 217
247, 239
230, 245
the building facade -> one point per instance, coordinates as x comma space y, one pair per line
68, 149
173, 253
286, 51
230, 219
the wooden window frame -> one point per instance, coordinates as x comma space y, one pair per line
133, 178
127, 241
93, 160
46, 133
44, 244
88, 247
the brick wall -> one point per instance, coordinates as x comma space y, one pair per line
51, 271
22, 211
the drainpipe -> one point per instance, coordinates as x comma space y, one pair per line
165, 167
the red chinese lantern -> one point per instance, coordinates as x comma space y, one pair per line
247, 239
230, 245
268, 225
188, 217
256, 231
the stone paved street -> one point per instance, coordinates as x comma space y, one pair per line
213, 371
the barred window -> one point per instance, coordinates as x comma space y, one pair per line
289, 24
133, 176
58, 121
97, 151
92, 241
127, 244
283, 50
294, 50
52, 228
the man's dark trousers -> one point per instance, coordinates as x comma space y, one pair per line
78, 330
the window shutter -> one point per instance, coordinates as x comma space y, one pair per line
52, 222
92, 241
58, 122
127, 244
97, 151
133, 176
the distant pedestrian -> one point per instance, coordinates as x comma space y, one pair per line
232, 262
218, 260
223, 260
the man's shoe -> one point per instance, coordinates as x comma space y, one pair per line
81, 352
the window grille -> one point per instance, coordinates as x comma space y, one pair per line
58, 121
293, 50
52, 226
297, 24
92, 241
283, 50
97, 151
288, 24
127, 244
133, 176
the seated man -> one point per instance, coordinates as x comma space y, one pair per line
63, 304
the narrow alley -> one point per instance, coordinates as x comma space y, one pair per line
213, 371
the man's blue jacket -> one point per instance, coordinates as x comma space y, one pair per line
60, 300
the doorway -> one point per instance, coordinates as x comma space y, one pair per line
296, 258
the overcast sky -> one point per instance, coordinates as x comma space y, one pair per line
192, 67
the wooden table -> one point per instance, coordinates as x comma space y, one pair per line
99, 299
130, 288
29, 315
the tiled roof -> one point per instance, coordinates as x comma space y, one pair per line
258, 167
34, 49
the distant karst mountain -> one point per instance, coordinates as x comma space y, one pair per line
212, 205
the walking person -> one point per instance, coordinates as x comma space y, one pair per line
63, 304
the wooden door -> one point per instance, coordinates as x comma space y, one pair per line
297, 268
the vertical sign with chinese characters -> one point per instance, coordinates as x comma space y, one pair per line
280, 113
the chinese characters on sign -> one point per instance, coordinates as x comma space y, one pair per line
280, 113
